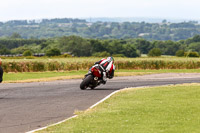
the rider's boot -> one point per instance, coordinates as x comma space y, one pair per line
104, 78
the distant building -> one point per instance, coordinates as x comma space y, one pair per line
143, 34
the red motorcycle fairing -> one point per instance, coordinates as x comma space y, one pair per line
96, 72
92, 79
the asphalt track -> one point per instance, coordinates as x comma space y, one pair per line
28, 106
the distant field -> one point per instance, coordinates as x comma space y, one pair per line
168, 109
84, 63
46, 59
94, 59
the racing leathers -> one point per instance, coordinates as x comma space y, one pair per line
107, 69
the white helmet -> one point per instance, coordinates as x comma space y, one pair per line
110, 59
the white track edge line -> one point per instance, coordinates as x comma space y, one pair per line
74, 115
93, 106
104, 99
52, 124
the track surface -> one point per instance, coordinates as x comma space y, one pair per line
28, 106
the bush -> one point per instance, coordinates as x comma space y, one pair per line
27, 53
154, 52
191, 54
53, 52
180, 53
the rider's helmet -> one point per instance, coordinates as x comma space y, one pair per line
110, 59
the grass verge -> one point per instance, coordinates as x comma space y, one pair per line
166, 109
41, 76
50, 76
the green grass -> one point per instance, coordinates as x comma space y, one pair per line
14, 77
31, 76
169, 109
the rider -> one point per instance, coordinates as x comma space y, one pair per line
1, 72
107, 68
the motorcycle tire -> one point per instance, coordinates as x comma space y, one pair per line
84, 84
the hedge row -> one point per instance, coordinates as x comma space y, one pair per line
44, 66
158, 64
35, 66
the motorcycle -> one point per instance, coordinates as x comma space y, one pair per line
93, 78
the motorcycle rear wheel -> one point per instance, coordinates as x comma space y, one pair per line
85, 83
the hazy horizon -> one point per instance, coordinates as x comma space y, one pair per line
155, 9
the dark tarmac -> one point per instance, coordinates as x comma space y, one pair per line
28, 106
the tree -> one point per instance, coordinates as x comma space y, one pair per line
53, 52
75, 45
164, 21
4, 50
180, 53
195, 46
191, 54
167, 47
97, 46
15, 35
115, 47
154, 52
27, 53
143, 45
196, 38
130, 51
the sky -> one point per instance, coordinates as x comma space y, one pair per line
39, 9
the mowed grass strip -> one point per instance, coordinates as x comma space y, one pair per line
41, 76
56, 75
166, 109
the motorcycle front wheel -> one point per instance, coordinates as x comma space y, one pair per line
85, 83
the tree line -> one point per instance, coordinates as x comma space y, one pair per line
49, 28
78, 46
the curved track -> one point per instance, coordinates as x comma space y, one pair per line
28, 106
